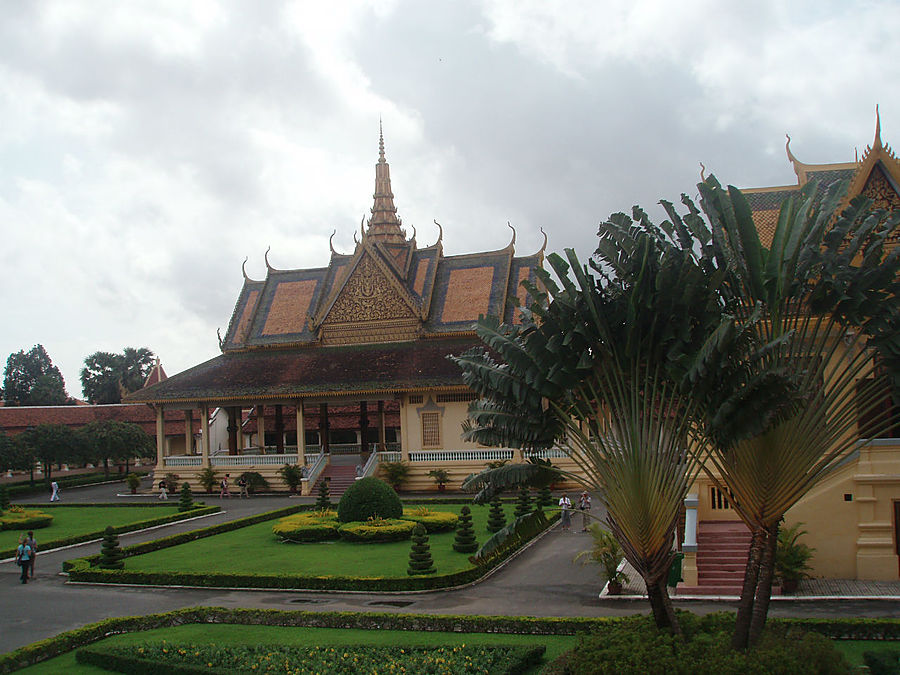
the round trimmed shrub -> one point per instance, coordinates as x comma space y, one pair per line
369, 498
434, 521
377, 530
309, 526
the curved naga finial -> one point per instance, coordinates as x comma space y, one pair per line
331, 242
414, 232
266, 256
440, 233
877, 143
355, 240
702, 173
787, 149
362, 226
244, 269
221, 341
512, 242
544, 245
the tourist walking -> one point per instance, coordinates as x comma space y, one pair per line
32, 542
223, 492
54, 491
23, 558
584, 505
242, 483
565, 509
163, 490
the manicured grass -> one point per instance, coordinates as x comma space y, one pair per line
853, 649
72, 521
256, 550
255, 635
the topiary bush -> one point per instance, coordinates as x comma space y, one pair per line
369, 498
465, 541
255, 481
111, 555
523, 504
186, 501
420, 561
496, 516
308, 526
377, 530
4, 498
323, 501
434, 521
545, 497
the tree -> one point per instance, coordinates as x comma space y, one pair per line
186, 501
53, 444
827, 293
111, 554
117, 441
107, 377
420, 560
464, 540
16, 455
31, 379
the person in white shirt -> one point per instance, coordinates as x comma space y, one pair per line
565, 508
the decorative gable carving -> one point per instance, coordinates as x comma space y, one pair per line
879, 189
369, 309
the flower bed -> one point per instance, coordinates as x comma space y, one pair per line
17, 518
377, 530
307, 527
434, 521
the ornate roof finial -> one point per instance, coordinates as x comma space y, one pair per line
330, 240
362, 226
355, 240
440, 233
244, 270
512, 242
787, 148
266, 256
544, 246
877, 142
702, 173
384, 225
414, 232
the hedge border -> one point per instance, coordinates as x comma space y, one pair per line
854, 629
85, 570
121, 529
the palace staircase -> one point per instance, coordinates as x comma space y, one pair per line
722, 548
341, 472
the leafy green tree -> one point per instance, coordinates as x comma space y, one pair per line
16, 455
31, 379
53, 444
825, 291
111, 440
107, 377
208, 479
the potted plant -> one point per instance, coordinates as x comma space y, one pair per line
607, 553
395, 473
292, 475
133, 481
441, 477
792, 558
207, 478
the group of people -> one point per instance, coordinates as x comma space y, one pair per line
241, 483
25, 555
565, 508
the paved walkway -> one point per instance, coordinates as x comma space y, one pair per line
542, 581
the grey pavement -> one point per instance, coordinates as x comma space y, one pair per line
541, 581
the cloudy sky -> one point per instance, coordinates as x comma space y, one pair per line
146, 148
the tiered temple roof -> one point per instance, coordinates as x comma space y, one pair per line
382, 319
876, 175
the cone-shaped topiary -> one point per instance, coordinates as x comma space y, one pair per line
323, 502
523, 504
545, 497
369, 498
465, 534
4, 498
186, 502
496, 516
420, 561
110, 553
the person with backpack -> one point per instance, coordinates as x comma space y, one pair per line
23, 558
242, 483
163, 490
223, 492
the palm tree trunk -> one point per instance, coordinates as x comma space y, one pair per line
661, 605
764, 587
741, 637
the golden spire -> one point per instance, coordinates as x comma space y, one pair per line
384, 225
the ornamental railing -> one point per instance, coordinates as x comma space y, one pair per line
370, 467
316, 469
391, 456
549, 453
474, 455
183, 461
253, 460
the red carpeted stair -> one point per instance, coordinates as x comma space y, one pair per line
722, 547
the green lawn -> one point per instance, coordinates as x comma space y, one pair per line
853, 649
254, 635
255, 550
72, 521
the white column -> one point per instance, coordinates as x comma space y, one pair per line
690, 523
160, 438
301, 435
188, 432
261, 426
204, 431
